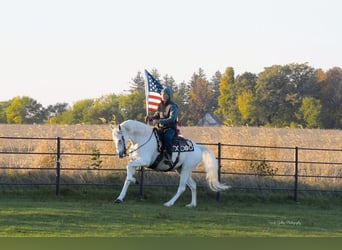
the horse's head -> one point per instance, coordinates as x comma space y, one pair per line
119, 140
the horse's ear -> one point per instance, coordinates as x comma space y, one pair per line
103, 120
113, 121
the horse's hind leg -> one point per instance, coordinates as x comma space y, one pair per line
192, 185
184, 176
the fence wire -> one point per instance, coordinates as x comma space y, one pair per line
32, 161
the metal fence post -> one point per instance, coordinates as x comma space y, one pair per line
218, 195
58, 165
295, 194
141, 184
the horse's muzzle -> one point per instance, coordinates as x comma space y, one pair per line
122, 154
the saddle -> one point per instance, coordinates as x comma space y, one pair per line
179, 145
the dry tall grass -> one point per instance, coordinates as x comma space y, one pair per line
229, 136
276, 137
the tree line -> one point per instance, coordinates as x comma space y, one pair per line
288, 95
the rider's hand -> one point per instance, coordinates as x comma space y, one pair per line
148, 119
155, 122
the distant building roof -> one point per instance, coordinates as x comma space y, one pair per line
208, 120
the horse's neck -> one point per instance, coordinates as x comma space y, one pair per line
137, 132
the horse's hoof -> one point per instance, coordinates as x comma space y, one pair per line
118, 201
167, 204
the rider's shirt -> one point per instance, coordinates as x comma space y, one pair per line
167, 114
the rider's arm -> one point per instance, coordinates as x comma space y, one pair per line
156, 116
172, 117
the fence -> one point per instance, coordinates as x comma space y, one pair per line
246, 167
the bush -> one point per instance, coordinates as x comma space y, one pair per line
263, 168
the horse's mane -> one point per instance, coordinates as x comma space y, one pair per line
136, 127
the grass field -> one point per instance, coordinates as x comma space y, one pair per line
91, 213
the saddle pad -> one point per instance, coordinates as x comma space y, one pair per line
182, 145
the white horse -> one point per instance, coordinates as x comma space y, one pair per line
144, 152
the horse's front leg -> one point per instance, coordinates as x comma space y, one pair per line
129, 179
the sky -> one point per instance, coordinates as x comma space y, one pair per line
67, 50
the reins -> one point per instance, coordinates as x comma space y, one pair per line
123, 139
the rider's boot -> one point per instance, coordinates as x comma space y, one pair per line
168, 158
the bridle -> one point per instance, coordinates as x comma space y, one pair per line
124, 143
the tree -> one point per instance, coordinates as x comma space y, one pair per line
81, 110
310, 112
182, 98
3, 115
103, 108
55, 111
35, 112
200, 97
25, 110
133, 106
214, 84
169, 81
245, 82
138, 83
271, 90
65, 118
107, 107
331, 98
227, 102
155, 74
90, 111
303, 79
200, 100
245, 102
245, 90
280, 91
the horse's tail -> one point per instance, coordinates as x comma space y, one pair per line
211, 168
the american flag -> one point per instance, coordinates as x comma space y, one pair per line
153, 97
153, 89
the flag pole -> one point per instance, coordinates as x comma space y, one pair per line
146, 93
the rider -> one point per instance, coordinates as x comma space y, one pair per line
165, 119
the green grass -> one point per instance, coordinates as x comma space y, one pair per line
89, 212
